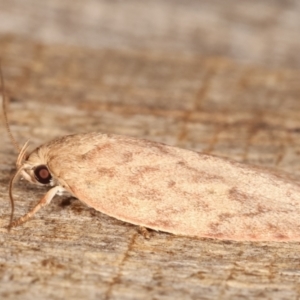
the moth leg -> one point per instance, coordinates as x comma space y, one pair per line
144, 232
43, 202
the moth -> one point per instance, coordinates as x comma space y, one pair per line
161, 187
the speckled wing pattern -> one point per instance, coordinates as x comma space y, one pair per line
175, 190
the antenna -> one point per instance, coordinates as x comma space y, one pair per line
14, 142
4, 108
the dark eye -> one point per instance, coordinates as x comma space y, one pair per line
42, 174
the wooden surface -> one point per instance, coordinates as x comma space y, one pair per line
213, 76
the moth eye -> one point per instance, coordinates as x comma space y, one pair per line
42, 174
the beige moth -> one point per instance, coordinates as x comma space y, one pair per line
161, 187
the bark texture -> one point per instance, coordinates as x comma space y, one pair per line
212, 76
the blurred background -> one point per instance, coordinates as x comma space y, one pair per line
260, 32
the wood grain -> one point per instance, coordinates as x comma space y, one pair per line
147, 78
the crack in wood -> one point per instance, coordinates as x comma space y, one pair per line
117, 277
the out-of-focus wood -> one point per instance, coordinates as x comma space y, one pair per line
202, 102
265, 32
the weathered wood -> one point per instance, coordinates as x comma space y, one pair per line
216, 105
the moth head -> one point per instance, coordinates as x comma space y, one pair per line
33, 168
